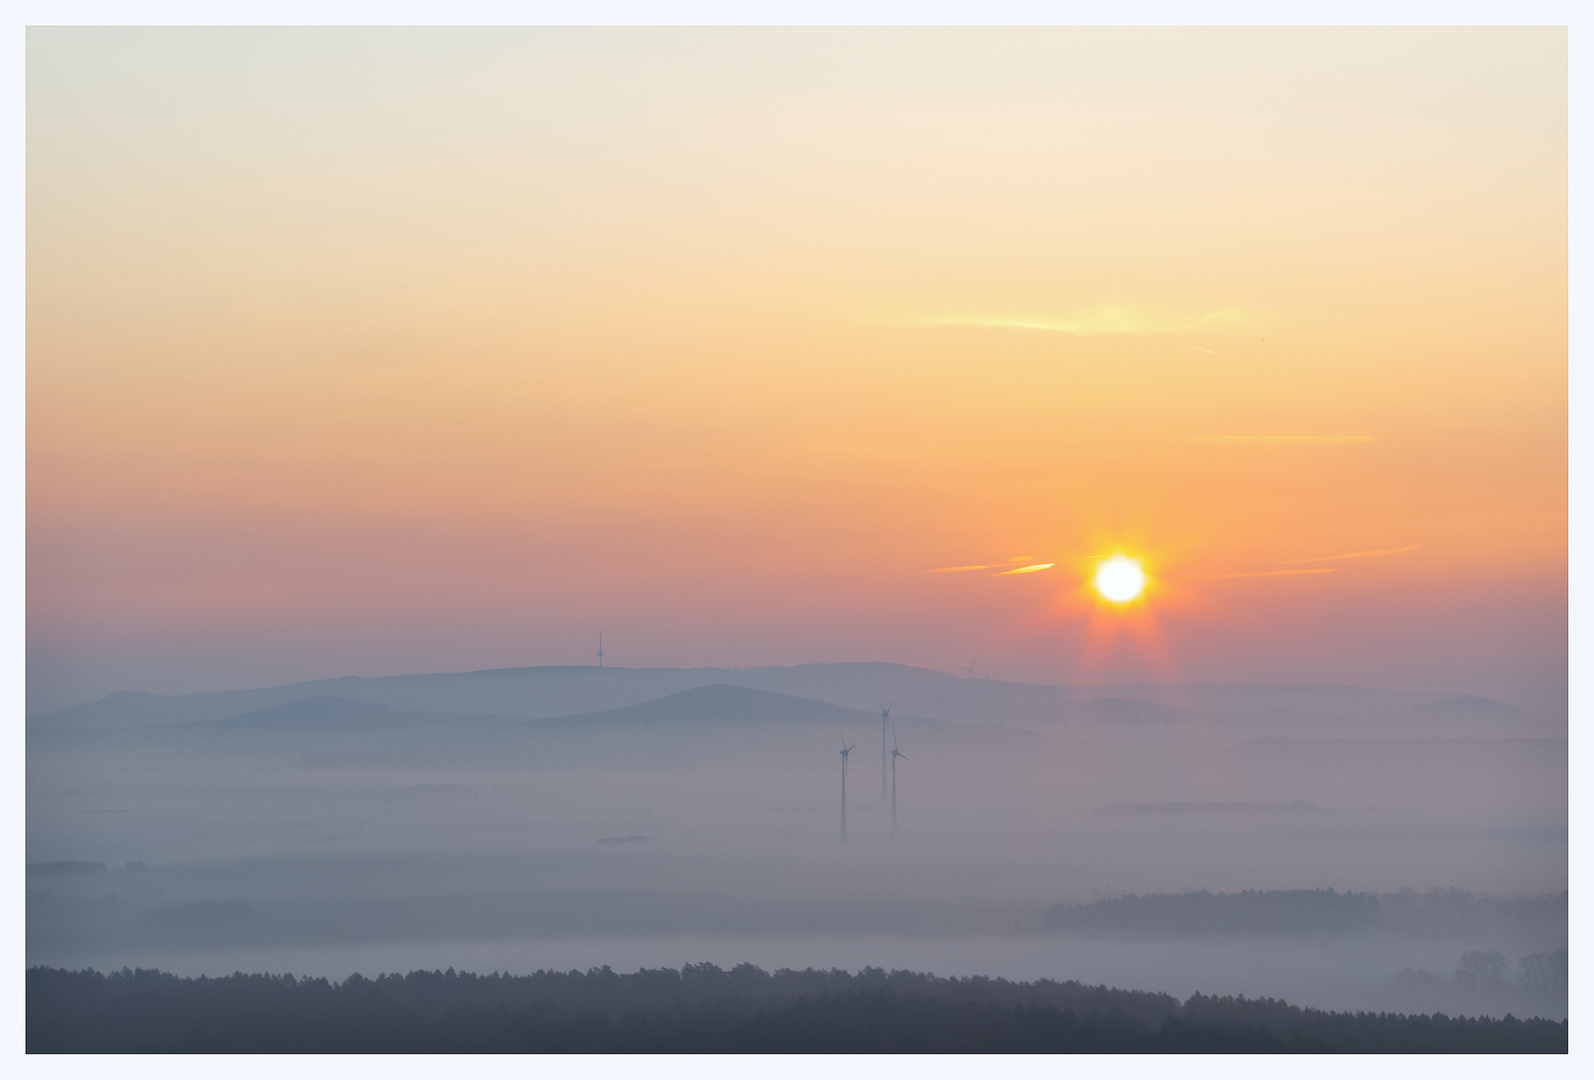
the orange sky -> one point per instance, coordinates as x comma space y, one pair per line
357, 352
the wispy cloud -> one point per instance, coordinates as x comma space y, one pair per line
1352, 555
1105, 321
1027, 569
1009, 561
1264, 573
1287, 438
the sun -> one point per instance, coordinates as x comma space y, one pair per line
1120, 580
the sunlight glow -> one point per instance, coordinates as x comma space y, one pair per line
1120, 580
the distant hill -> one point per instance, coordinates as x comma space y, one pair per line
320, 713
1250, 698
703, 704
1464, 716
335, 731
1122, 716
716, 704
527, 692
1136, 709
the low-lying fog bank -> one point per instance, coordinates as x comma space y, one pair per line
336, 834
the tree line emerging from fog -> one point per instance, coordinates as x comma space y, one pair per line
1484, 971
704, 1009
1301, 911
1305, 911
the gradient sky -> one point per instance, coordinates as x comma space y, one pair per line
380, 351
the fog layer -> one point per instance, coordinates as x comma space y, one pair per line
574, 817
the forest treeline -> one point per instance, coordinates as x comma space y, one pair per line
704, 1009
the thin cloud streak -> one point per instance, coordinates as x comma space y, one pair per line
1263, 573
1287, 438
1352, 555
1009, 561
1026, 569
1110, 321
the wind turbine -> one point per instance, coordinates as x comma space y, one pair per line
895, 753
885, 718
845, 750
600, 648
970, 669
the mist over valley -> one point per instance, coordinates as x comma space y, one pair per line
556, 817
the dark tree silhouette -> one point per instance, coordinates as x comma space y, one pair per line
704, 1009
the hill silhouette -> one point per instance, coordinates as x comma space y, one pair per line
716, 703
1136, 709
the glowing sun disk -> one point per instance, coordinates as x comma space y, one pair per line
1120, 580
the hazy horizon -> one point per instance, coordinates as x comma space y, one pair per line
958, 673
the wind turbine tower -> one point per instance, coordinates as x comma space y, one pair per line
845, 750
895, 753
885, 718
600, 648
